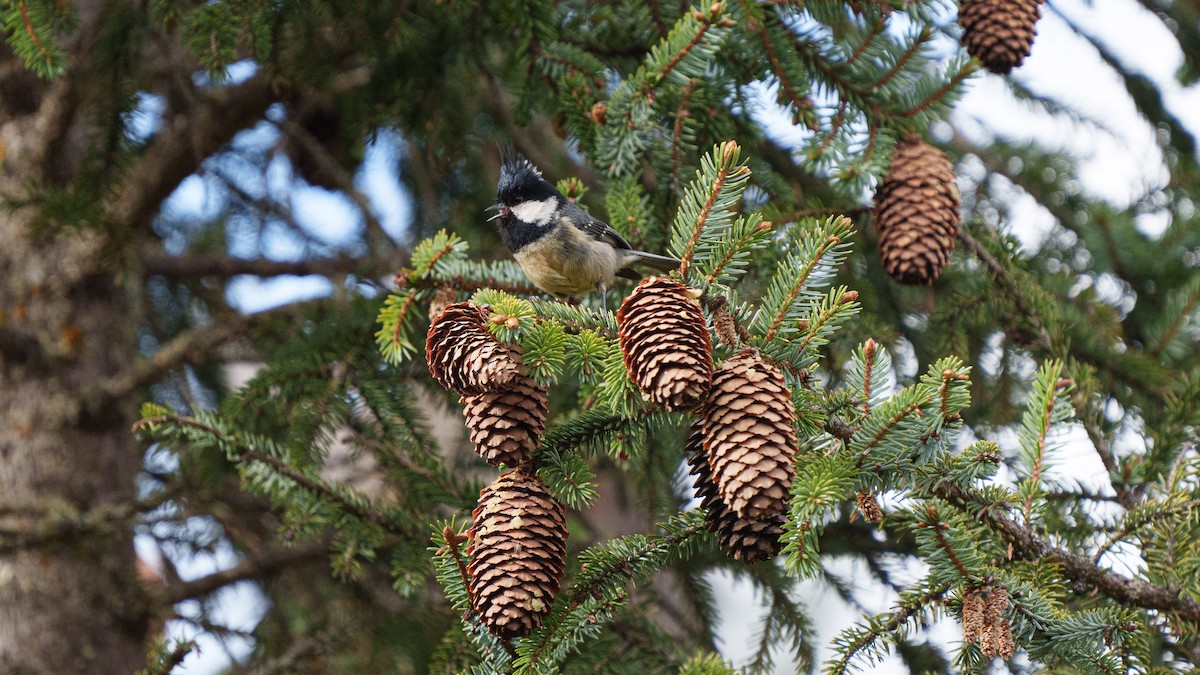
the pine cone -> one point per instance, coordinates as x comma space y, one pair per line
749, 437
668, 351
999, 32
868, 505
916, 209
443, 298
464, 356
747, 541
506, 426
518, 553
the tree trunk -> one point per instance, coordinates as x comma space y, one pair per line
69, 598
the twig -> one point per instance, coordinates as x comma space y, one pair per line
261, 564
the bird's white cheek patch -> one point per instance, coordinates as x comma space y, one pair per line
538, 213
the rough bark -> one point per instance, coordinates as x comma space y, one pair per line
70, 600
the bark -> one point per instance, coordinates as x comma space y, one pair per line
70, 600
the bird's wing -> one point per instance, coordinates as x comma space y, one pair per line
594, 227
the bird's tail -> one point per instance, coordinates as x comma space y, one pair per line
658, 263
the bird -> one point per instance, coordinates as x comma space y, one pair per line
564, 250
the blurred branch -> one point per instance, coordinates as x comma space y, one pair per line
1006, 280
261, 564
342, 178
183, 145
155, 261
192, 344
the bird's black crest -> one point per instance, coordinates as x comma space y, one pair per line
520, 180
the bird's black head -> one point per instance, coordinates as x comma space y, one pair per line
520, 181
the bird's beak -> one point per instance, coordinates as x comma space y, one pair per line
500, 209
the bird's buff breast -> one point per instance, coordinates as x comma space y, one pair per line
566, 262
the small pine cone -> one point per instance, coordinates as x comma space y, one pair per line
445, 296
988, 637
506, 426
464, 356
726, 326
667, 349
916, 210
747, 541
999, 32
749, 437
518, 553
1005, 645
997, 602
868, 505
972, 615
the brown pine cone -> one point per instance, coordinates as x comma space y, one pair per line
868, 506
443, 298
518, 554
667, 349
999, 32
749, 437
464, 356
747, 541
507, 426
916, 210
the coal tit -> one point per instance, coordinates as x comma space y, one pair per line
563, 250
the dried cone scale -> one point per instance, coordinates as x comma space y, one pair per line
916, 210
667, 349
506, 426
747, 541
462, 354
518, 553
999, 32
748, 434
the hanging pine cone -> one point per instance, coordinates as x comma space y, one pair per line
518, 553
463, 355
506, 426
916, 209
747, 541
999, 32
748, 433
443, 298
668, 351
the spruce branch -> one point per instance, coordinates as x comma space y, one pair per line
818, 254
968, 68
756, 23
1143, 516
718, 168
924, 36
856, 641
677, 145
239, 450
1077, 568
1039, 420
